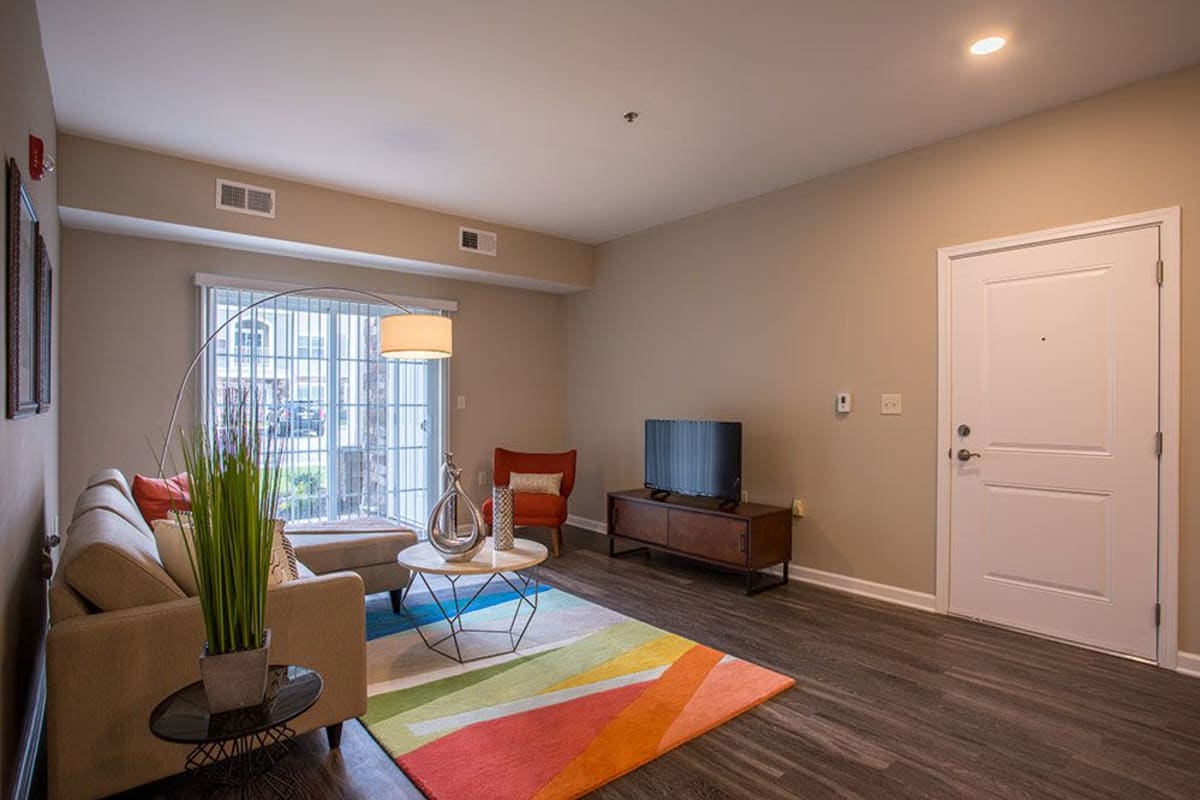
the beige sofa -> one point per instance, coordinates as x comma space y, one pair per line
123, 636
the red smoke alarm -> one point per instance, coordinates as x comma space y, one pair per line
37, 163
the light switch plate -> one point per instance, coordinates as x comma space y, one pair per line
462, 402
842, 404
890, 403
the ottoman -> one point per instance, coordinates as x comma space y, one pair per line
365, 545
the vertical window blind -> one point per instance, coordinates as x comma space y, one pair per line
357, 434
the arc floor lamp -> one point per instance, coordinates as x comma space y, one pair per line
405, 335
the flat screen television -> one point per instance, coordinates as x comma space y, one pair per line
701, 458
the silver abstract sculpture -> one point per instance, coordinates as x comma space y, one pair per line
451, 542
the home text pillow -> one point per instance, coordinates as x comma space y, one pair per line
535, 482
158, 498
174, 539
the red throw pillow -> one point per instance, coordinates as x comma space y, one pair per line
157, 498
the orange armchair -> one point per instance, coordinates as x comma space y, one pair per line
535, 510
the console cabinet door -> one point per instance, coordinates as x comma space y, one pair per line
717, 538
642, 521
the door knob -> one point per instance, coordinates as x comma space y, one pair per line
966, 455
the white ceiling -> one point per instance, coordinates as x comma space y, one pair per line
510, 110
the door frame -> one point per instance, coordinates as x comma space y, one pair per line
1167, 222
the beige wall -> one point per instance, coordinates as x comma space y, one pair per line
130, 328
28, 446
135, 183
762, 310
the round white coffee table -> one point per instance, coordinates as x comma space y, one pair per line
517, 567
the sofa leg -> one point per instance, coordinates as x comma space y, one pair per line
396, 595
334, 734
556, 541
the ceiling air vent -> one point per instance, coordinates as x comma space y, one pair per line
243, 198
473, 241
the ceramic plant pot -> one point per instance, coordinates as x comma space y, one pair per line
235, 680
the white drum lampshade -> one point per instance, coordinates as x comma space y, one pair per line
416, 336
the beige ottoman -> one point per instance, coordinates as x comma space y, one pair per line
367, 545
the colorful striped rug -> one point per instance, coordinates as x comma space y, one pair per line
590, 696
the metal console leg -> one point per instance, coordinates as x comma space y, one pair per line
753, 587
633, 551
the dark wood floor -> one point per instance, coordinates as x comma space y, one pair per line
888, 703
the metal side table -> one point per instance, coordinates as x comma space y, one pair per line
236, 752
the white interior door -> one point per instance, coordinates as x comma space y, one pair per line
1054, 511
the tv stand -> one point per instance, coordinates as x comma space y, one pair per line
745, 538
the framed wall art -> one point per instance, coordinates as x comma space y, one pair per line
21, 268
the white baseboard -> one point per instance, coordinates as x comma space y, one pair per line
830, 580
1188, 664
921, 601
587, 524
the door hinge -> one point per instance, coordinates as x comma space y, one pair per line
1157, 614
1158, 444
1158, 272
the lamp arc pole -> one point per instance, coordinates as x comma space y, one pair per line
162, 458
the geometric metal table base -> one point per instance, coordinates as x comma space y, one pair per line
245, 767
238, 753
522, 582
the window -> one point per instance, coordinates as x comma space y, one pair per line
252, 335
358, 434
310, 346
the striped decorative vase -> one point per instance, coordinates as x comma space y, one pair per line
502, 518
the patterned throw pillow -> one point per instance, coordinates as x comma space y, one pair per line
535, 482
283, 558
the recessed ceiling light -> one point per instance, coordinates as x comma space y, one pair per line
988, 46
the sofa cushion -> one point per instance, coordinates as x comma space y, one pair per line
112, 477
335, 552
109, 498
113, 565
157, 498
65, 602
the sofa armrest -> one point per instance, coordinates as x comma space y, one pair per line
106, 672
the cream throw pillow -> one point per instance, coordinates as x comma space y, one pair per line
174, 540
535, 482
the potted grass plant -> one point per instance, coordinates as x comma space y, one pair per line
234, 480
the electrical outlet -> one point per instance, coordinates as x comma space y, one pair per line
889, 403
462, 402
797, 507
482, 478
745, 497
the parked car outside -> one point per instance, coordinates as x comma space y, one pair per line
299, 418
